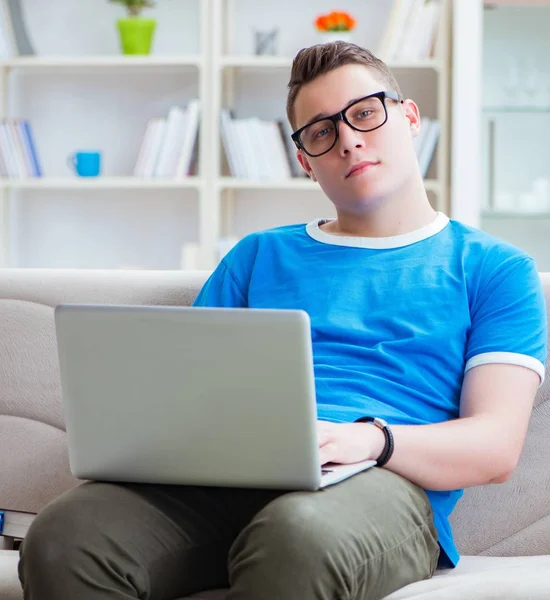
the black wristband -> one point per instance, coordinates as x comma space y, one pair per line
388, 447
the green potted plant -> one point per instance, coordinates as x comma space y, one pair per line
136, 33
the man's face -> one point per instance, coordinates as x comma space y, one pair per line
387, 152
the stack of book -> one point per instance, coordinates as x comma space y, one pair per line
425, 143
412, 30
258, 149
18, 154
169, 148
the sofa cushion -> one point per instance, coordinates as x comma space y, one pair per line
33, 446
10, 588
475, 578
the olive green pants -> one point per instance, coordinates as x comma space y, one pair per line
360, 539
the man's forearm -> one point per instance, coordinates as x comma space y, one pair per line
452, 455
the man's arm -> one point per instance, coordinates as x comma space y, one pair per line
482, 446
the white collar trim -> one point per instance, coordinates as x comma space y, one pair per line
377, 243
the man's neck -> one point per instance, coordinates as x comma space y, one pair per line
405, 212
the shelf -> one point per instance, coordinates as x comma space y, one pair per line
98, 183
100, 62
294, 184
283, 62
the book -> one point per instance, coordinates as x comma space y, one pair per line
15, 524
30, 146
395, 29
169, 150
139, 169
429, 145
154, 145
188, 140
286, 132
20, 36
405, 48
229, 143
429, 27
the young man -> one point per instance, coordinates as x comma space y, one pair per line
434, 327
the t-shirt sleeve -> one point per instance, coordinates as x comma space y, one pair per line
221, 290
509, 322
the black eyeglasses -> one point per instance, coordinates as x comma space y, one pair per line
366, 114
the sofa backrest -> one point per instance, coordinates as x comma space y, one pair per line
34, 467
507, 519
513, 518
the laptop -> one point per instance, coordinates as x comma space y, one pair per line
192, 396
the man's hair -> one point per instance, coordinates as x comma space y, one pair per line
317, 60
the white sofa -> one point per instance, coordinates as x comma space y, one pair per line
504, 530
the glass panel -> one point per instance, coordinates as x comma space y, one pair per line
516, 117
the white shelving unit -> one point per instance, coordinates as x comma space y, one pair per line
227, 66
217, 68
99, 183
101, 62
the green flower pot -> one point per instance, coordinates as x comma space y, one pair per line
136, 35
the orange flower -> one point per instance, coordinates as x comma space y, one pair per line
335, 21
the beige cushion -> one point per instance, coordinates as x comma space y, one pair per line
475, 578
10, 588
33, 446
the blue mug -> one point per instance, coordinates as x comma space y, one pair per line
85, 163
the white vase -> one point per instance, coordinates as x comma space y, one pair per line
332, 36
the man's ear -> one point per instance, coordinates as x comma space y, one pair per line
302, 159
412, 114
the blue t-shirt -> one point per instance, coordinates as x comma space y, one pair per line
395, 322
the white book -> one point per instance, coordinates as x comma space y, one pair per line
229, 142
156, 141
398, 21
4, 48
238, 145
142, 154
261, 149
269, 151
8, 45
280, 169
412, 30
428, 147
169, 151
419, 139
3, 166
188, 140
239, 140
286, 132
429, 28
17, 150
25, 151
246, 148
7, 151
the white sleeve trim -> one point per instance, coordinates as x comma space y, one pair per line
508, 358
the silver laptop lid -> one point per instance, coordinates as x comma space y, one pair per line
189, 395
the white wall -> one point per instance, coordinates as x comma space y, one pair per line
70, 111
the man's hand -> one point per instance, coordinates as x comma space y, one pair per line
345, 443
